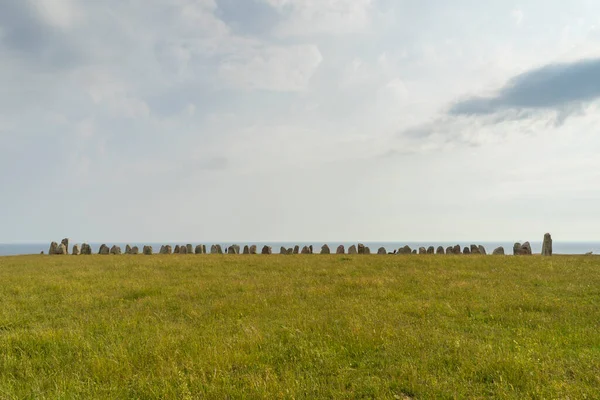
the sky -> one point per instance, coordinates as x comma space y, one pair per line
299, 120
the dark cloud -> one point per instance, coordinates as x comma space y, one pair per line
561, 87
26, 35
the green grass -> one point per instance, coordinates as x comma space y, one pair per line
308, 326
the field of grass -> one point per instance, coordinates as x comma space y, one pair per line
304, 326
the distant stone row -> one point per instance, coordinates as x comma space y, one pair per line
85, 249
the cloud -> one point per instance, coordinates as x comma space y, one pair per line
561, 87
273, 68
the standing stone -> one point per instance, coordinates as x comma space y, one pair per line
290, 251
467, 251
449, 250
310, 249
189, 248
198, 249
414, 251
177, 249
361, 248
440, 250
216, 249
296, 249
430, 250
127, 249
168, 249
86, 249
517, 249
325, 249
76, 250
65, 241
340, 250
352, 250
305, 250
482, 250
253, 249
233, 249
246, 249
147, 250
182, 250
526, 249
475, 249
405, 250
104, 250
283, 250
367, 250
135, 250
382, 251
456, 249
61, 250
115, 250
547, 245
266, 250
499, 251
422, 250
53, 248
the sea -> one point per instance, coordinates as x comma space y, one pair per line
12, 249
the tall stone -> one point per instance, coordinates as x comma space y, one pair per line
310, 249
449, 250
361, 248
53, 248
86, 249
233, 249
352, 250
283, 250
296, 249
198, 249
440, 250
456, 249
183, 249
340, 250
266, 250
147, 250
290, 251
115, 250
325, 249
467, 251
547, 245
405, 250
422, 250
127, 249
382, 251
76, 250
498, 251
62, 250
517, 249
104, 250
253, 249
65, 241
526, 249
367, 250
189, 248
305, 250
177, 249
482, 250
430, 250
475, 249
135, 250
246, 249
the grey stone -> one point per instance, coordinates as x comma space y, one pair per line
86, 249
135, 250
361, 248
266, 250
253, 249
199, 249
127, 249
61, 250
475, 249
482, 250
305, 250
352, 250
547, 245
499, 251
246, 249
325, 249
449, 250
526, 249
310, 249
367, 250
65, 241
148, 250
166, 249
382, 251
440, 250
104, 250
290, 251
405, 250
422, 250
177, 249
116, 250
414, 251
467, 251
456, 249
431, 250
296, 249
233, 249
183, 250
283, 250
76, 250
53, 248
340, 250
189, 248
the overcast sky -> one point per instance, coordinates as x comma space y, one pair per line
276, 120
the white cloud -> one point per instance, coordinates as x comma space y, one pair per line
59, 13
273, 68
517, 16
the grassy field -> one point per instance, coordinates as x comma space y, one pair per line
306, 326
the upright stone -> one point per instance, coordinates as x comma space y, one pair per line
296, 249
290, 251
190, 248
482, 250
405, 250
475, 249
53, 248
253, 249
203, 249
233, 249
325, 249
361, 248
86, 249
127, 249
182, 250
65, 241
382, 251
440, 250
115, 250
430, 250
547, 245
147, 250
135, 250
456, 249
76, 250
517, 249
198, 249
467, 251
422, 250
246, 249
310, 249
367, 250
266, 250
177, 249
283, 250
526, 249
62, 250
449, 250
499, 251
414, 251
340, 250
104, 250
352, 250
305, 250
